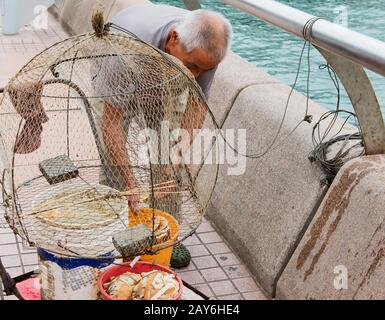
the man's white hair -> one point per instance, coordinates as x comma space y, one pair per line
207, 30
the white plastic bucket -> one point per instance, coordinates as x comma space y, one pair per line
74, 278
64, 278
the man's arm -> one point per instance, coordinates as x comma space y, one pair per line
194, 117
115, 142
195, 113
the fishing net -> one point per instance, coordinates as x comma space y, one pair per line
91, 127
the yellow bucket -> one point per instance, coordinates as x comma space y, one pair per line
145, 216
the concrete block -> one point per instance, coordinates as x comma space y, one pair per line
76, 15
119, 5
342, 252
58, 6
224, 92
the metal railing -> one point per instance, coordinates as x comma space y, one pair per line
347, 51
332, 37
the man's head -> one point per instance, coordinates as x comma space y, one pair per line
200, 40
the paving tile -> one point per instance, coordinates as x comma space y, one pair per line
5, 230
217, 248
29, 259
210, 237
198, 250
237, 271
25, 248
214, 274
193, 240
205, 289
205, 262
205, 227
192, 277
245, 284
11, 261
8, 250
190, 267
257, 295
7, 238
231, 297
221, 288
227, 259
31, 268
15, 272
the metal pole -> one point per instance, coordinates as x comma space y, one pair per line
332, 37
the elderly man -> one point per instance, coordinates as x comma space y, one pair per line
199, 39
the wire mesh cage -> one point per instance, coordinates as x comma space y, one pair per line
92, 128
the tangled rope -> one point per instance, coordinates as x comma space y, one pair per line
323, 144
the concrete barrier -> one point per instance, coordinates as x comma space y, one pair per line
263, 211
341, 255
75, 15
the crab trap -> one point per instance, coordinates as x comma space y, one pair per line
91, 149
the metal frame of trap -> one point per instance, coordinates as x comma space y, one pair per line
7, 283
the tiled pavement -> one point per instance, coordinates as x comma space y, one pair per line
16, 257
215, 269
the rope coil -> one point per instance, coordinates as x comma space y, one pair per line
308, 28
323, 142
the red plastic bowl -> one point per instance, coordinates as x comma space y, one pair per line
29, 289
140, 267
